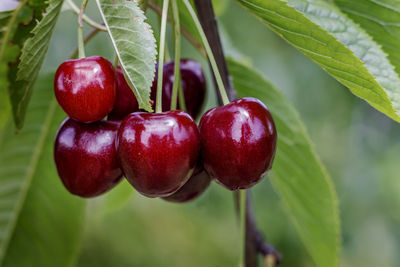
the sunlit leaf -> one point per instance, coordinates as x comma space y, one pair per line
381, 19
40, 221
338, 45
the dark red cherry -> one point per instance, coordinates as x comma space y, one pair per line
85, 88
86, 157
125, 101
193, 85
238, 142
158, 151
197, 184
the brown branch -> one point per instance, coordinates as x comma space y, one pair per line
255, 238
184, 31
207, 19
255, 243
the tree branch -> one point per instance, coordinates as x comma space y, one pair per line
255, 243
207, 19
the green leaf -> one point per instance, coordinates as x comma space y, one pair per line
117, 198
4, 19
220, 6
4, 103
338, 45
18, 29
298, 176
35, 48
381, 19
134, 44
41, 222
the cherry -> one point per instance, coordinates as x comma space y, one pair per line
158, 151
86, 157
193, 85
193, 188
85, 88
238, 142
125, 101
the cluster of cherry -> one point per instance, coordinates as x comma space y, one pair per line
161, 154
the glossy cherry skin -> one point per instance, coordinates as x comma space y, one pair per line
158, 151
197, 184
125, 101
238, 142
86, 157
193, 85
86, 88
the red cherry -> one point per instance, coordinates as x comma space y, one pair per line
85, 88
86, 157
193, 188
125, 101
158, 151
238, 142
193, 85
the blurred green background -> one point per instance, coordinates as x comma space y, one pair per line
357, 144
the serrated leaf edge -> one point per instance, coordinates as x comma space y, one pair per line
126, 74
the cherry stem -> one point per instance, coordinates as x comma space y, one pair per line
87, 38
217, 75
81, 45
85, 18
116, 62
242, 210
182, 104
161, 56
185, 32
177, 56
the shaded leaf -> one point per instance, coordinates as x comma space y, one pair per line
4, 19
40, 221
35, 48
134, 44
117, 198
4, 102
304, 187
338, 45
18, 29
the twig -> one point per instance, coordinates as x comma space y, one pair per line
210, 53
254, 236
208, 21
